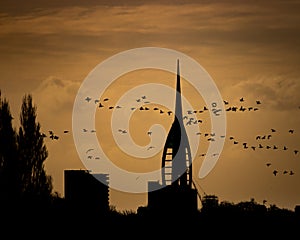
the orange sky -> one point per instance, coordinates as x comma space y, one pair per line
251, 50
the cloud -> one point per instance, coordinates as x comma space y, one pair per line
225, 28
220, 16
54, 98
276, 92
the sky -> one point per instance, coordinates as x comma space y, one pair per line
250, 50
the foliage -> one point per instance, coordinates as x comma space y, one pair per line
32, 153
23, 155
8, 153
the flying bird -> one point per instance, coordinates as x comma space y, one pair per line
101, 105
90, 149
88, 99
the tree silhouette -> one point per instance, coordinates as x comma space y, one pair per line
35, 183
8, 154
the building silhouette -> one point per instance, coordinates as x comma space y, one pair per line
85, 192
175, 191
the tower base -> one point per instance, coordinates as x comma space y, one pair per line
172, 200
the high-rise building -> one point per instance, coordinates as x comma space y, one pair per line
85, 192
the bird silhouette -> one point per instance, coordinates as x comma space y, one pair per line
90, 149
101, 105
88, 99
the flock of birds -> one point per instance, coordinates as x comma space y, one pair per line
264, 143
262, 140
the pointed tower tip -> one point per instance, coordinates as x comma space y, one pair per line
178, 73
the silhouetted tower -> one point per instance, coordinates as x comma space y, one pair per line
176, 158
175, 194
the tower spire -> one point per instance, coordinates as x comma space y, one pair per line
176, 159
178, 105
